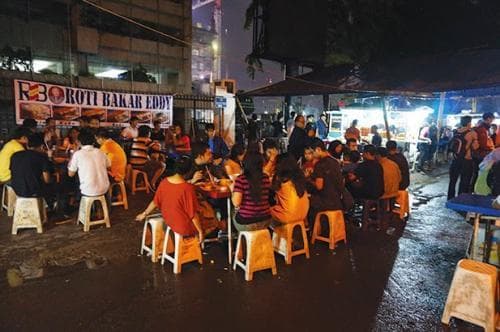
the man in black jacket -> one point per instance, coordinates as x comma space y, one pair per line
298, 140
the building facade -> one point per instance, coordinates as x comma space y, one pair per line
73, 43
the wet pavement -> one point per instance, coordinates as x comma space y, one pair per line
69, 280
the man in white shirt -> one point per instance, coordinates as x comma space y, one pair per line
132, 131
92, 167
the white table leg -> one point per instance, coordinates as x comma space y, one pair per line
229, 232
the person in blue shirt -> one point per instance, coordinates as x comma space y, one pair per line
322, 127
216, 143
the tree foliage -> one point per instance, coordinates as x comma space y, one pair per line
359, 31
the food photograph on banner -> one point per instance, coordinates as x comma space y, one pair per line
67, 105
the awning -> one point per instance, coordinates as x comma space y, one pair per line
424, 76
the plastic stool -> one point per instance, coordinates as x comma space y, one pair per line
8, 199
260, 253
29, 213
134, 176
336, 228
472, 295
187, 249
403, 204
123, 192
156, 223
85, 212
282, 240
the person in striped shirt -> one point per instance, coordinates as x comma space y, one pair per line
140, 148
251, 195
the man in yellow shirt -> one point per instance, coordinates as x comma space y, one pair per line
16, 144
115, 154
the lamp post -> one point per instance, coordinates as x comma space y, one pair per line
216, 61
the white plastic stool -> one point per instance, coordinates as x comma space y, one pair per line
134, 176
29, 213
282, 240
123, 193
259, 253
85, 212
472, 295
336, 228
187, 249
404, 204
8, 200
155, 223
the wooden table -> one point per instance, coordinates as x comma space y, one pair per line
480, 207
221, 192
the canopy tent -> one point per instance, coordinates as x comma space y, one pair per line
460, 73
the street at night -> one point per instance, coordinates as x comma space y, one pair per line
98, 281
249, 165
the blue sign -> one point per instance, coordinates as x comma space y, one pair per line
220, 102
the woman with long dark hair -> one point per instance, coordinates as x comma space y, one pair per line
290, 186
335, 149
251, 195
233, 165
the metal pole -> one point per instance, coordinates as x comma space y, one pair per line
386, 121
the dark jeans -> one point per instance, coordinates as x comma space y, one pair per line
424, 154
463, 169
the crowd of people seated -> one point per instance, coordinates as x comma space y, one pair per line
267, 187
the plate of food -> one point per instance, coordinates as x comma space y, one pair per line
161, 116
34, 111
118, 116
66, 113
143, 116
94, 112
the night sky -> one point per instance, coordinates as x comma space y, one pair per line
237, 44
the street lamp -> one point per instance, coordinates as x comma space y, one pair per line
216, 63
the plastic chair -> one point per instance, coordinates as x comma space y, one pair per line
336, 228
472, 295
283, 240
187, 249
259, 253
29, 213
155, 223
85, 212
8, 199
123, 192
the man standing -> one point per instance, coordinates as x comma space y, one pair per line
253, 129
322, 127
16, 144
402, 163
132, 131
462, 145
298, 140
353, 132
91, 165
482, 129
290, 124
115, 154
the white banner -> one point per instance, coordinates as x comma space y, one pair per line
66, 105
